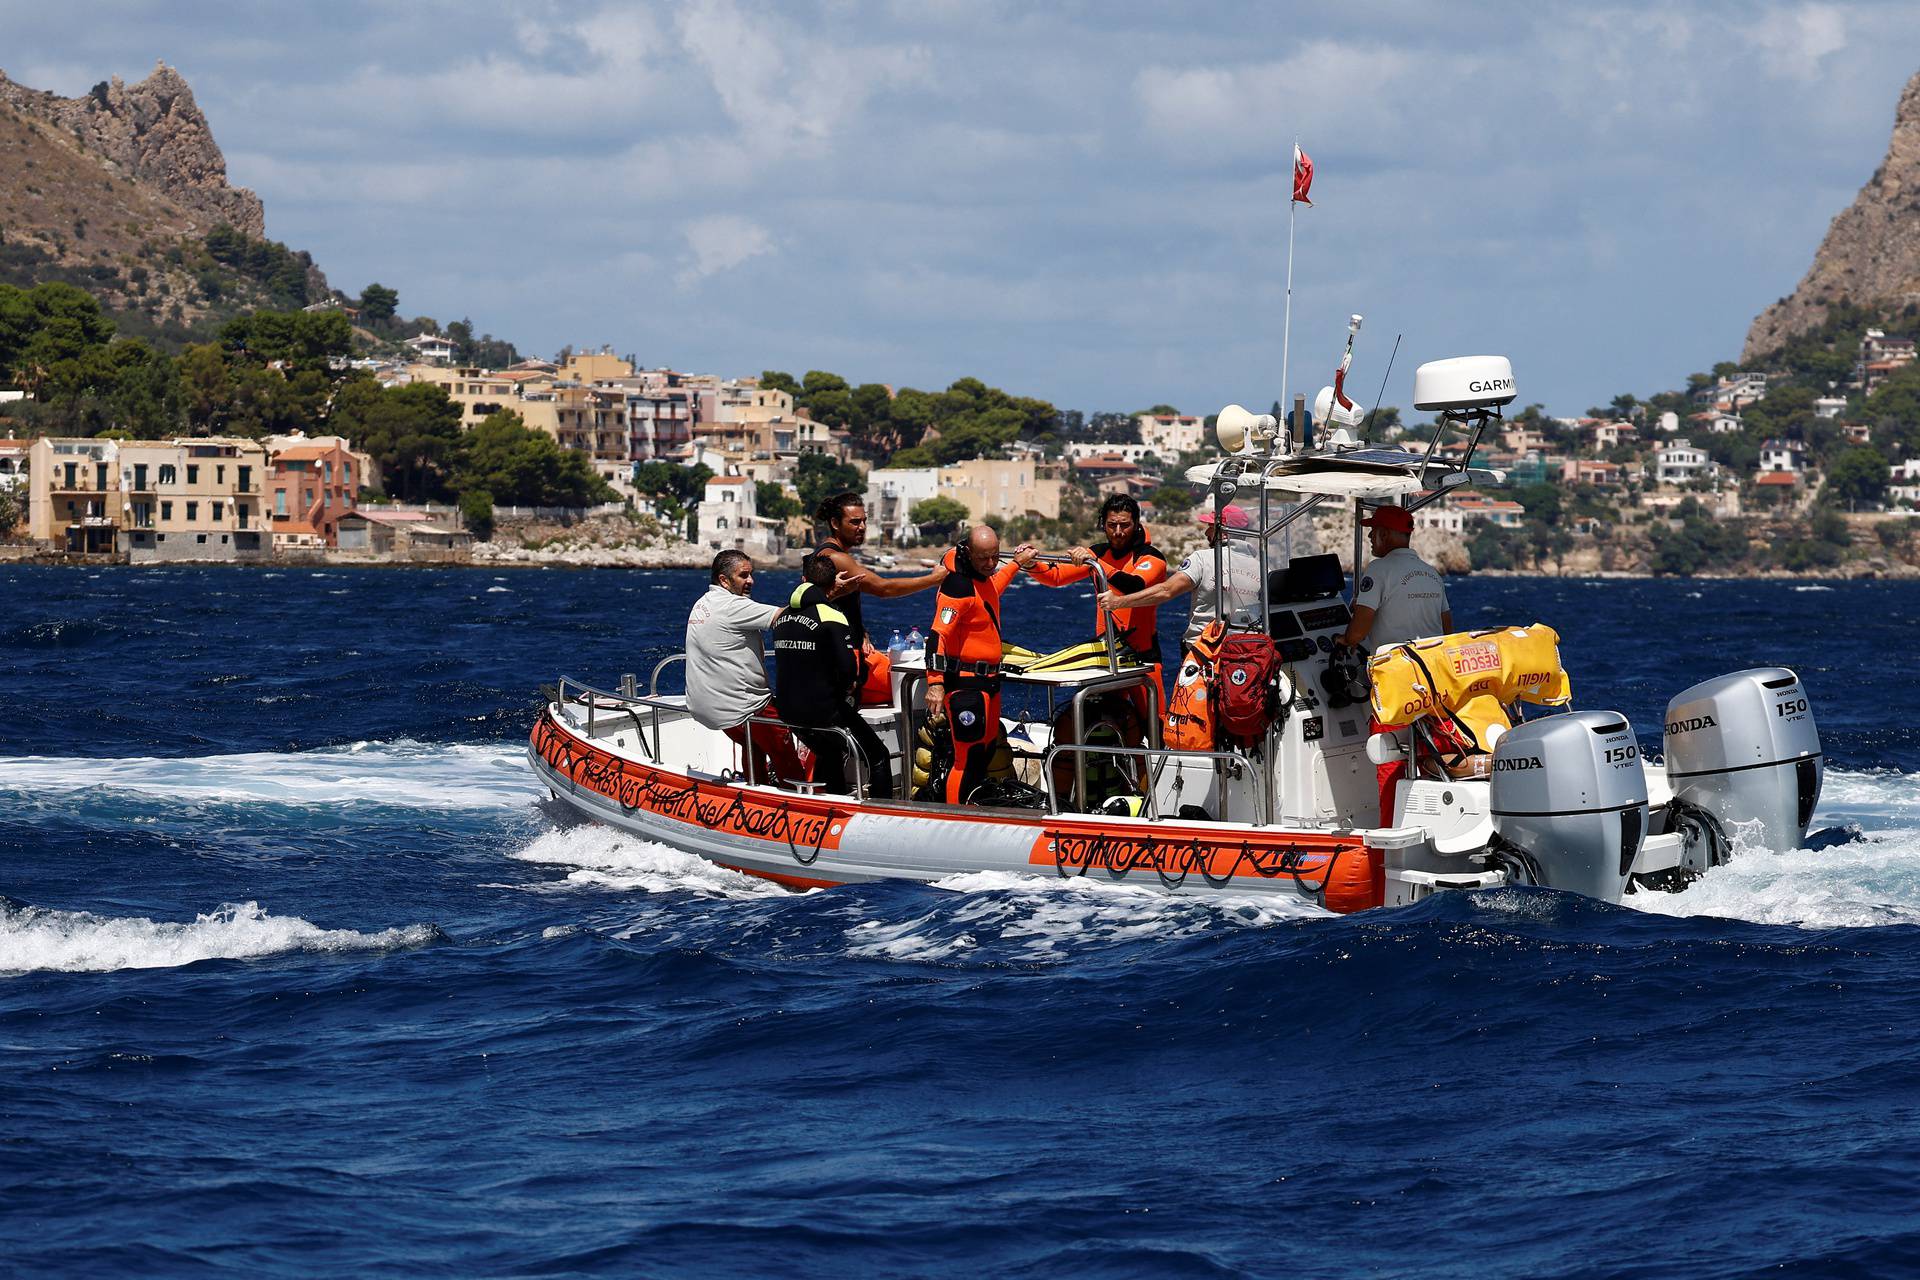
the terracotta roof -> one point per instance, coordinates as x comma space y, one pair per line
727, 480
1776, 477
307, 453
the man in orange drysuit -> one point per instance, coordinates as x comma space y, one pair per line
1131, 564
963, 654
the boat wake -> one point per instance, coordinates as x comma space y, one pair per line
401, 774
35, 939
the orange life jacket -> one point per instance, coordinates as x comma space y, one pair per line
1127, 571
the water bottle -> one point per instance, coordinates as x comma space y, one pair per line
915, 641
895, 646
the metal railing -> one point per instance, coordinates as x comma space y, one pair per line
631, 704
1163, 754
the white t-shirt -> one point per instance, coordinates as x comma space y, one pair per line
1407, 597
1242, 565
726, 669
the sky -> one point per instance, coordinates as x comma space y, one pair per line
1085, 202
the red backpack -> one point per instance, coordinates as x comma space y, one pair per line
1244, 676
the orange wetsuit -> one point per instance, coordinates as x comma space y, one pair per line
1135, 569
963, 655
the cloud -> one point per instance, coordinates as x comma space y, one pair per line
1793, 41
780, 101
719, 243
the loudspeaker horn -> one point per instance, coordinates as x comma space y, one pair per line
1234, 426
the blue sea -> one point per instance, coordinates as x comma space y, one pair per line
300, 972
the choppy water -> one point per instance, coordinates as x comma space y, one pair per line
299, 971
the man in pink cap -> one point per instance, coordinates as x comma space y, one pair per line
1240, 565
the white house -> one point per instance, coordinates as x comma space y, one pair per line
1131, 452
1786, 457
1171, 434
1829, 406
728, 519
1669, 422
1606, 435
1681, 463
1904, 483
431, 348
891, 493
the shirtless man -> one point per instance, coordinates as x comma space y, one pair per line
844, 518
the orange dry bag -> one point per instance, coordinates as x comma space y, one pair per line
1191, 722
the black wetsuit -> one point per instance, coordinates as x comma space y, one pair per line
848, 604
815, 665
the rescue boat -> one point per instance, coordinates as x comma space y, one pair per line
1505, 780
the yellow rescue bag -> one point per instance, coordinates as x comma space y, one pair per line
1470, 676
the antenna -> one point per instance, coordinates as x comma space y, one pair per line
1366, 428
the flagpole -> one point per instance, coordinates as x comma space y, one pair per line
1286, 330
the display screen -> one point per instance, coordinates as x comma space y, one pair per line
1327, 615
1284, 626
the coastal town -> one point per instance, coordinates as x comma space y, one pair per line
691, 463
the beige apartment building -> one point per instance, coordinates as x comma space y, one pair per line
1003, 487
189, 499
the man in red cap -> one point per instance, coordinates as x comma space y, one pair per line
1400, 598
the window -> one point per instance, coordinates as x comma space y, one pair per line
220, 475
346, 474
169, 474
246, 477
219, 511
166, 510
139, 475
193, 509
100, 476
240, 513
72, 468
193, 474
326, 473
280, 502
720, 523
200, 537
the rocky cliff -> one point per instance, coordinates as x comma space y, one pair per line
153, 132
1872, 251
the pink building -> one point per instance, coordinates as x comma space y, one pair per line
309, 488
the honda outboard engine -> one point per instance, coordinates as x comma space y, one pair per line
1569, 794
1744, 748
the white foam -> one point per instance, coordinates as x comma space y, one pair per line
33, 939
1045, 912
1862, 884
875, 940
602, 857
405, 774
497, 590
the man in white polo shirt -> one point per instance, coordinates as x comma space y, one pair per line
1401, 596
726, 669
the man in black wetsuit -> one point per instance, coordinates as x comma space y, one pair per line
816, 665
843, 520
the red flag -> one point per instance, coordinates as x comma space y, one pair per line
1302, 176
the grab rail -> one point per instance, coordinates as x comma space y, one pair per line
632, 704
1081, 750
861, 779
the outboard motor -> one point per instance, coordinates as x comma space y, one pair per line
1743, 747
1568, 793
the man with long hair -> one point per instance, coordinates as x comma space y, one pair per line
842, 521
